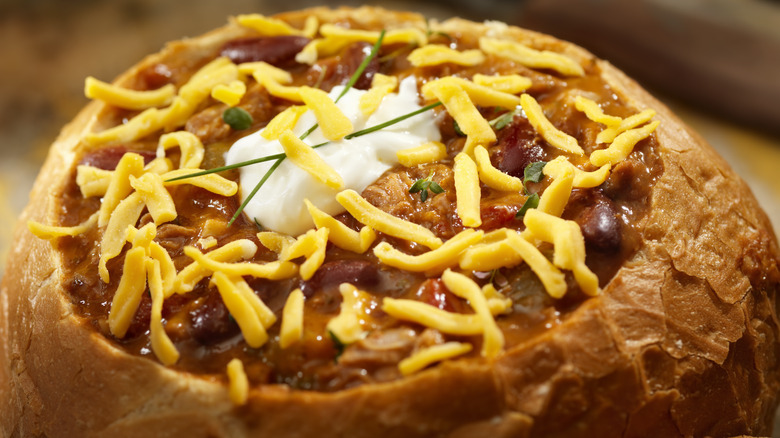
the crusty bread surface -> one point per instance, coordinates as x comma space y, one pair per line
683, 341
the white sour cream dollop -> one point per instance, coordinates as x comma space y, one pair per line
278, 205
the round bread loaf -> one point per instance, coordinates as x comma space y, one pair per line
679, 337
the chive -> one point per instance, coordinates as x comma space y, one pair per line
391, 122
355, 76
533, 172
257, 187
237, 118
531, 202
363, 65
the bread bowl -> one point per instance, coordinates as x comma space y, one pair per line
680, 339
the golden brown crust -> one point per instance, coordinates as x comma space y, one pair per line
683, 341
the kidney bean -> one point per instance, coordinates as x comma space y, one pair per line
210, 322
352, 57
598, 219
278, 50
108, 158
360, 273
518, 147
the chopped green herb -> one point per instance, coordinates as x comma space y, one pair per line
423, 185
259, 225
237, 118
337, 344
533, 172
531, 202
456, 127
504, 120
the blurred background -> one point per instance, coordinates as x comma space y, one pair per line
715, 62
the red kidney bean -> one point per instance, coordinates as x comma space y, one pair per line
352, 57
278, 50
108, 158
598, 219
210, 322
518, 147
360, 273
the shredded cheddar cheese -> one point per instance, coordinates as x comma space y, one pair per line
128, 293
303, 156
130, 164
569, 245
512, 84
462, 109
274, 241
425, 153
333, 123
285, 120
554, 199
377, 219
556, 169
435, 54
211, 182
431, 355
234, 251
155, 196
530, 57
92, 181
127, 98
432, 261
467, 190
236, 302
594, 112
192, 150
162, 346
335, 38
124, 216
622, 146
347, 326
267, 26
478, 94
292, 320
312, 246
381, 86
229, 94
238, 382
49, 232
545, 128
493, 177
609, 135
433, 317
340, 234
272, 270
464, 287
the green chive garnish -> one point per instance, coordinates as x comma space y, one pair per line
237, 118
